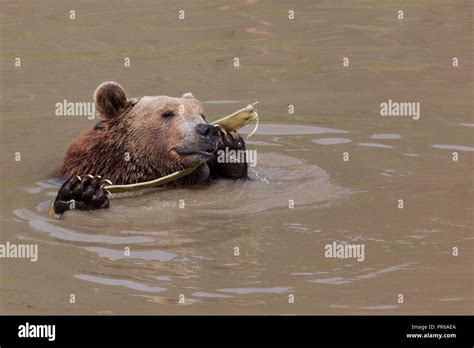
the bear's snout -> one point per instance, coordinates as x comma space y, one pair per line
208, 132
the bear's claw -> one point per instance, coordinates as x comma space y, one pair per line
223, 165
81, 194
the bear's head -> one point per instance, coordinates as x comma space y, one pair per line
142, 138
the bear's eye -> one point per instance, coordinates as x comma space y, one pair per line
168, 113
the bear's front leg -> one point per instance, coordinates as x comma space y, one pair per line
81, 194
230, 160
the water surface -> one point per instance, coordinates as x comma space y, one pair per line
332, 170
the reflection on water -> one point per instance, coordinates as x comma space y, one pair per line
331, 141
42, 223
454, 147
382, 271
378, 307
289, 129
209, 295
369, 275
114, 255
383, 146
261, 143
335, 281
120, 282
244, 291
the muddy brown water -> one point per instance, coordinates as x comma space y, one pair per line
190, 251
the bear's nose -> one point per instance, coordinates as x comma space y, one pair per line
206, 130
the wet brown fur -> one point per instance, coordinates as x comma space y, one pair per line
136, 127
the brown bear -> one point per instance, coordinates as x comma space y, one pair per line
142, 139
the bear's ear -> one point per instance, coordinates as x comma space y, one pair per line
109, 99
188, 95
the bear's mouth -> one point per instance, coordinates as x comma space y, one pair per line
207, 153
